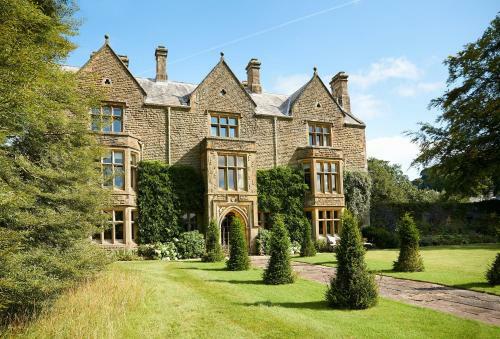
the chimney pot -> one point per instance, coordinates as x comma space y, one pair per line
161, 63
124, 59
340, 90
253, 76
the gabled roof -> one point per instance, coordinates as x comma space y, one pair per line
174, 93
113, 53
222, 63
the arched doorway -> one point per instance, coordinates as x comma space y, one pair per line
225, 227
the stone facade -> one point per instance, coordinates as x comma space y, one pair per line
174, 122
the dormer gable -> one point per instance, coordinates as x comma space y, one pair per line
111, 71
221, 90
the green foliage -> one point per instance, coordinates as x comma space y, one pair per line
263, 242
464, 141
238, 250
158, 251
357, 191
164, 194
321, 245
353, 287
190, 245
279, 269
470, 221
380, 237
456, 239
213, 248
281, 190
493, 274
188, 188
409, 259
50, 183
30, 279
307, 248
125, 254
390, 185
158, 215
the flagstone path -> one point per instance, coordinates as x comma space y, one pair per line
463, 303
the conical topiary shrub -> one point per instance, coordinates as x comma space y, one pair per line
307, 248
279, 270
213, 248
493, 274
238, 250
409, 259
353, 287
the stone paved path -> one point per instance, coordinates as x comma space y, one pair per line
463, 303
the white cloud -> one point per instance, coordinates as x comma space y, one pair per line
367, 106
412, 90
395, 149
384, 69
288, 84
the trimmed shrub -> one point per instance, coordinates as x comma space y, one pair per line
262, 242
409, 259
238, 250
381, 237
307, 248
279, 270
213, 248
353, 287
190, 245
493, 274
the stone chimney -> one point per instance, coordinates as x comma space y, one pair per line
340, 91
124, 59
161, 63
253, 76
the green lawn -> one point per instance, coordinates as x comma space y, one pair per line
458, 266
151, 299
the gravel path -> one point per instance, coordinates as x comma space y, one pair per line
463, 303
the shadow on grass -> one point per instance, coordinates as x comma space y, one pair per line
473, 285
239, 282
213, 269
312, 305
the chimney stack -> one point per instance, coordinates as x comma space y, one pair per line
340, 91
253, 76
161, 63
124, 59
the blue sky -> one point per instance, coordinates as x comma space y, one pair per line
392, 50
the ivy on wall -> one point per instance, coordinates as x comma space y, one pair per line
164, 194
281, 190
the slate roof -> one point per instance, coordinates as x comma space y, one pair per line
174, 93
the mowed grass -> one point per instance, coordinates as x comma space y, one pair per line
458, 266
154, 299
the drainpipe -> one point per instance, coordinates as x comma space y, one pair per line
275, 136
168, 135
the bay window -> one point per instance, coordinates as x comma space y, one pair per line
113, 170
232, 172
328, 222
327, 176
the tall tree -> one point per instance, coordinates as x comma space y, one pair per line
463, 145
390, 184
50, 183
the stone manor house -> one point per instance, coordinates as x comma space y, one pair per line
227, 129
